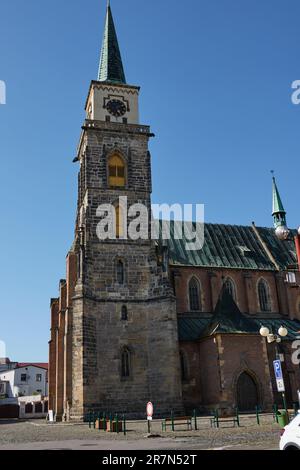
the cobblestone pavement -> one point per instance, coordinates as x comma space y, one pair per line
40, 435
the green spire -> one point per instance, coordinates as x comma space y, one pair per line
279, 213
111, 66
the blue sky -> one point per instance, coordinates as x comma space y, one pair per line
216, 88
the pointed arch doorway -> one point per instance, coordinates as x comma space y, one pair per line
247, 393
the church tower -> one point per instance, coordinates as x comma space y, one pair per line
114, 342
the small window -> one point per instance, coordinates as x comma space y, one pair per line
120, 272
125, 363
124, 314
28, 408
107, 118
125, 120
38, 377
23, 377
291, 278
38, 408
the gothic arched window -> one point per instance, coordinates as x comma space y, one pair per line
194, 295
124, 313
125, 363
116, 172
120, 272
230, 287
264, 296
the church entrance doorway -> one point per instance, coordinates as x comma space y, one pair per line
247, 393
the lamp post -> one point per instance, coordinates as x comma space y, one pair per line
276, 338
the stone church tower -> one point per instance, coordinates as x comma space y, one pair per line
114, 339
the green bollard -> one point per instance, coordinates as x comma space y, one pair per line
111, 422
217, 418
104, 422
117, 423
257, 415
172, 419
90, 419
237, 417
195, 420
124, 425
94, 419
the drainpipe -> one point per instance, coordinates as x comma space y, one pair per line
297, 243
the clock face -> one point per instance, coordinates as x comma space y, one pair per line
116, 108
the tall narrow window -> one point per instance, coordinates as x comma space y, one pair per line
194, 294
120, 272
183, 365
119, 222
230, 287
264, 296
124, 314
125, 363
116, 172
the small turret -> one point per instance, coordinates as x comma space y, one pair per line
279, 214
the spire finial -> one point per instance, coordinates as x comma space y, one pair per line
111, 66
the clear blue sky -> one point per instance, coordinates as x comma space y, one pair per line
216, 88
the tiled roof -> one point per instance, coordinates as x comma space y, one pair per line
42, 365
231, 246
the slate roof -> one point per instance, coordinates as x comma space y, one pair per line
231, 246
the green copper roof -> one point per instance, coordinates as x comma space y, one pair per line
277, 202
231, 246
228, 319
194, 327
111, 66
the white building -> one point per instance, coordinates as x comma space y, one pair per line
24, 381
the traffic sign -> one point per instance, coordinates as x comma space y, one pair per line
150, 411
279, 376
278, 369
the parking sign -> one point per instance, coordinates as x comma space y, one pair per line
279, 376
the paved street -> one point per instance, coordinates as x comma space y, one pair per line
38, 435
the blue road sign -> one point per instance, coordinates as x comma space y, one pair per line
278, 370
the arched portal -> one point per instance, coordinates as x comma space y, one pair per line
247, 393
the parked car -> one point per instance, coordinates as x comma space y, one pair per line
290, 435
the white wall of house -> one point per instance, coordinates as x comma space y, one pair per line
25, 381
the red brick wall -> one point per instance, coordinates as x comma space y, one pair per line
284, 299
215, 364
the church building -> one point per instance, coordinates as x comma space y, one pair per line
137, 320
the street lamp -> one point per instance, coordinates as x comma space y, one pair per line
274, 338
